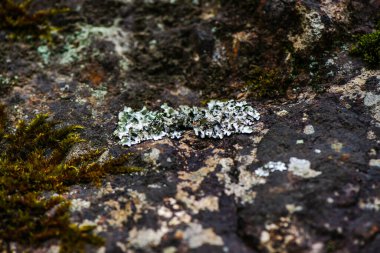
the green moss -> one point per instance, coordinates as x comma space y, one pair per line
266, 83
368, 48
33, 162
16, 17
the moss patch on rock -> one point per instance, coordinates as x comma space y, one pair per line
34, 170
368, 48
266, 83
20, 20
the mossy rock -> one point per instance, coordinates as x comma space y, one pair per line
266, 83
368, 48
33, 162
18, 18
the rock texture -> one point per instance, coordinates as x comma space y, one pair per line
306, 180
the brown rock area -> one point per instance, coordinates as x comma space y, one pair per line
319, 109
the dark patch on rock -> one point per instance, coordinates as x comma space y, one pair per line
373, 84
330, 201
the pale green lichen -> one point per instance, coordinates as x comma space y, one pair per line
77, 43
45, 53
217, 120
6, 82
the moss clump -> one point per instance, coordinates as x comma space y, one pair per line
368, 47
266, 83
17, 17
33, 165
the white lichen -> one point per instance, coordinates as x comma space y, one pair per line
79, 205
146, 237
374, 163
298, 167
196, 236
269, 168
372, 204
217, 120
301, 168
308, 130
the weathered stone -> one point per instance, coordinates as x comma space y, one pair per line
305, 178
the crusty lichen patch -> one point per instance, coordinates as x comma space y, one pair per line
217, 120
77, 43
242, 190
192, 181
146, 237
336, 10
354, 90
301, 168
278, 236
313, 28
126, 208
197, 236
370, 204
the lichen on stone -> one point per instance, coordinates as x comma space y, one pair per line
76, 44
270, 167
7, 82
217, 120
313, 28
298, 167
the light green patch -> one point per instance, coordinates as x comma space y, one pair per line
301, 168
99, 94
7, 82
77, 43
45, 53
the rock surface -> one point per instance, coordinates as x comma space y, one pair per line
306, 180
